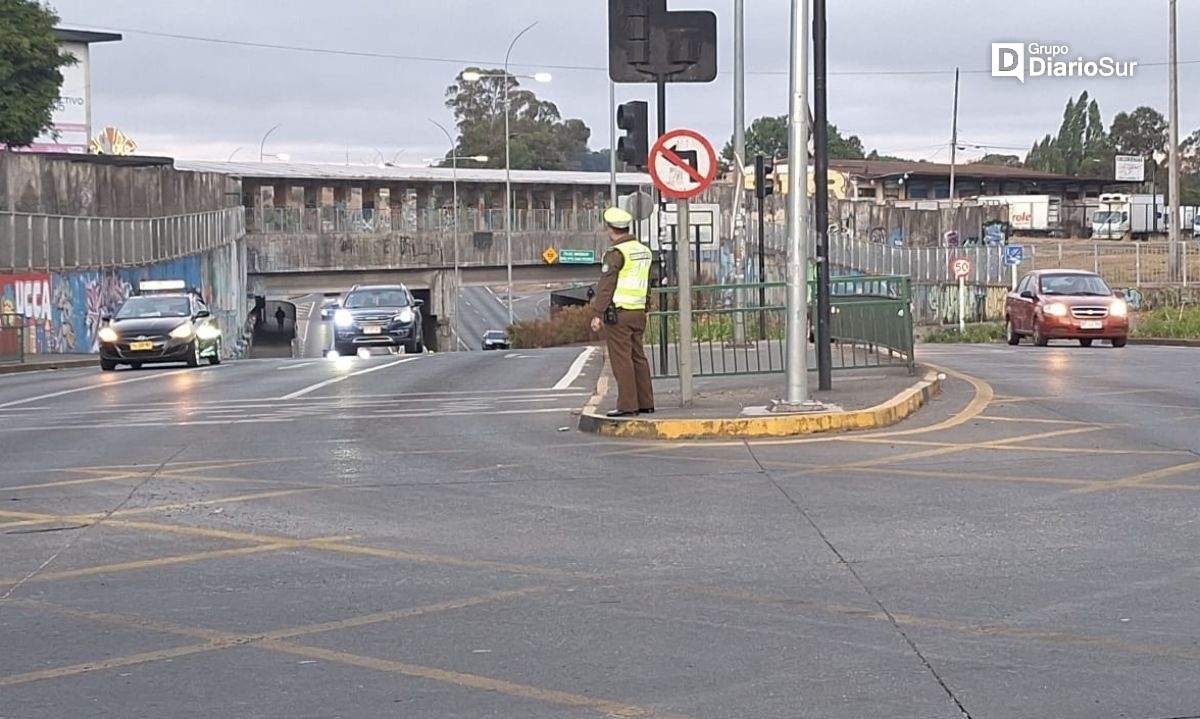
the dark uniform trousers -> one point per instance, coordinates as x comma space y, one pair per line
627, 356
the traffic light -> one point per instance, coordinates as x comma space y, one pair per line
764, 176
633, 148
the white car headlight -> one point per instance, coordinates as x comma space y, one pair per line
107, 334
1118, 308
405, 315
208, 332
343, 318
1056, 309
182, 332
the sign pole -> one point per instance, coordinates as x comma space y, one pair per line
684, 274
796, 396
1014, 278
962, 303
663, 339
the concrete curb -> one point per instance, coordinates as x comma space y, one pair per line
884, 414
1163, 342
44, 366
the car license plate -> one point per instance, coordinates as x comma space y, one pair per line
1091, 325
372, 330
141, 346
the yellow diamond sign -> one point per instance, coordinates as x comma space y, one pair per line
550, 255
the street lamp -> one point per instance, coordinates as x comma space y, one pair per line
230, 158
454, 158
282, 157
474, 76
263, 144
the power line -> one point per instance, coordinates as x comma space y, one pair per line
574, 68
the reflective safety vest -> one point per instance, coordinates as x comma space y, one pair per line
633, 282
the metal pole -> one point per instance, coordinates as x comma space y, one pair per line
762, 269
262, 145
954, 141
820, 132
662, 253
797, 257
962, 304
685, 306
612, 143
454, 252
1173, 187
508, 212
739, 161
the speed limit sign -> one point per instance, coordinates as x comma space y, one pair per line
961, 267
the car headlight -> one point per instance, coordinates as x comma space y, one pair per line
1118, 308
1056, 309
343, 318
107, 334
404, 316
208, 332
182, 332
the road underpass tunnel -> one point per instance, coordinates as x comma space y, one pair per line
274, 329
429, 319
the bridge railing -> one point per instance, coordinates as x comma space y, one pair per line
340, 220
55, 243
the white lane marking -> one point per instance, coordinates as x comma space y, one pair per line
61, 393
293, 366
314, 387
576, 369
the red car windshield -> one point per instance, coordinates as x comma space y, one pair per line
1089, 285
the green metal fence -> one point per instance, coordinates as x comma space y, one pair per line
740, 329
12, 339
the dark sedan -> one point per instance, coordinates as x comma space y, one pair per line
160, 328
378, 316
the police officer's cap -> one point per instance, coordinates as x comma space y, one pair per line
617, 218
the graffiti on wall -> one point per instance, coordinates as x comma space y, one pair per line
28, 297
937, 304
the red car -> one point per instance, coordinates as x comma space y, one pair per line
1066, 305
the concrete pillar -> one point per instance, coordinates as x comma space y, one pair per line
356, 199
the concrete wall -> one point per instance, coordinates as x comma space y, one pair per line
91, 186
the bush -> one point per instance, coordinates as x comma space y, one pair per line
570, 325
1169, 323
975, 334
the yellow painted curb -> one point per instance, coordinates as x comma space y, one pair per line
885, 414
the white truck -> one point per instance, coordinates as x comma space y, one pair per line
1029, 214
1122, 217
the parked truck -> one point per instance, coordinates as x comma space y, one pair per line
1029, 214
1124, 217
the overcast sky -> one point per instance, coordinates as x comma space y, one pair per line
202, 100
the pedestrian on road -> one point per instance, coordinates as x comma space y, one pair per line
619, 306
280, 316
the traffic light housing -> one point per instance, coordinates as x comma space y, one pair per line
764, 176
634, 146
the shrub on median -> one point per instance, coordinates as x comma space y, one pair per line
975, 334
570, 325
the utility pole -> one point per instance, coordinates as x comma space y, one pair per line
739, 162
820, 132
1173, 186
796, 398
954, 140
612, 143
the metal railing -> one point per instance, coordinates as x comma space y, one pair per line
12, 339
50, 243
1123, 264
341, 220
871, 326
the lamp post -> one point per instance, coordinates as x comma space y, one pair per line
263, 144
454, 158
1174, 228
230, 158
508, 78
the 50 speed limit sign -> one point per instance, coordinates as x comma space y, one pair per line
961, 267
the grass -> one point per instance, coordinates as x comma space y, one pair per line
975, 334
1169, 323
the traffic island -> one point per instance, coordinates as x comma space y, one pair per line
44, 362
725, 407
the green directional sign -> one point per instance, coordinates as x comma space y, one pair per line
577, 257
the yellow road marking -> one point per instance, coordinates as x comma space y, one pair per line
1139, 479
1032, 420
114, 663
147, 563
986, 630
438, 559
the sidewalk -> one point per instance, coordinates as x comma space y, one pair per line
737, 406
42, 362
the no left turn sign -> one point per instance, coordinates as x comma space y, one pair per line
682, 164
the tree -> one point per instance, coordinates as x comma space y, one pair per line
540, 139
1080, 148
999, 160
1142, 132
874, 155
768, 135
30, 70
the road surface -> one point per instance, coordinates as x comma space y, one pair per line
415, 536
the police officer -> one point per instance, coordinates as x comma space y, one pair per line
620, 307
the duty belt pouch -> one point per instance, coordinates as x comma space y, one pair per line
610, 315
